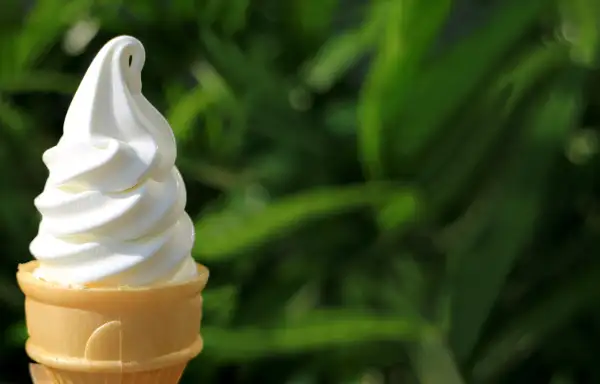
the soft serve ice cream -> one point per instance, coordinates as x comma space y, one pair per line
113, 205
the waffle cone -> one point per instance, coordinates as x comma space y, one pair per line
111, 335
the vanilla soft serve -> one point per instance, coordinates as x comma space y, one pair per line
113, 205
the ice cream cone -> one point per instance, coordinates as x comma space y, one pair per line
39, 374
111, 335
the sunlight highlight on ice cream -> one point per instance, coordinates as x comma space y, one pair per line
113, 205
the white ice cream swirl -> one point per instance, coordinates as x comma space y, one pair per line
113, 206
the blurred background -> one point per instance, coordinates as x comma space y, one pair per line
385, 191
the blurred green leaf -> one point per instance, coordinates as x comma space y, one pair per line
10, 296
434, 363
184, 8
487, 254
562, 378
441, 89
210, 93
312, 18
44, 24
343, 50
333, 330
235, 17
229, 232
399, 211
18, 129
17, 122
211, 175
219, 303
341, 119
185, 111
335, 58
266, 94
210, 12
145, 10
533, 327
39, 81
16, 335
229, 16
581, 27
461, 153
405, 39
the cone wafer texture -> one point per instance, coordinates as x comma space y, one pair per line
112, 335
162, 376
40, 375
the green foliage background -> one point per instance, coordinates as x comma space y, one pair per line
434, 222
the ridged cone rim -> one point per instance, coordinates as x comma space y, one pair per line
89, 297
